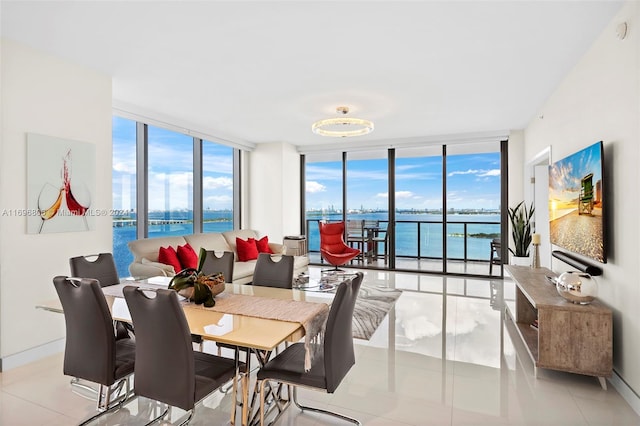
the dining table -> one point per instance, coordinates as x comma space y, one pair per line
254, 317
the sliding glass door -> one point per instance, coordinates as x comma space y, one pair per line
473, 206
419, 205
323, 195
434, 208
367, 212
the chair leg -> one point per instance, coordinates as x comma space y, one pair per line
75, 383
319, 410
120, 400
164, 413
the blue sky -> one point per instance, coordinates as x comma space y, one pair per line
473, 181
170, 169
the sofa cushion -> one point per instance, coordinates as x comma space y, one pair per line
213, 241
263, 245
187, 256
247, 249
244, 234
169, 256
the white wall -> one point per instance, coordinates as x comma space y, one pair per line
46, 95
274, 190
600, 100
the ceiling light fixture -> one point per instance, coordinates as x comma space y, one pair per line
342, 127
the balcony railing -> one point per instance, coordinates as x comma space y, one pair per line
422, 239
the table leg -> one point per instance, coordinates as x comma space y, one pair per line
245, 392
276, 402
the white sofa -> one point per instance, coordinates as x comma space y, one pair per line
145, 253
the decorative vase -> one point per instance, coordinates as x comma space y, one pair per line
577, 287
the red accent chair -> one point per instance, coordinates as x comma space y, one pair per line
332, 246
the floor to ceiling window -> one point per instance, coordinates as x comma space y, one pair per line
367, 211
217, 187
418, 230
170, 183
473, 205
323, 189
445, 204
182, 195
124, 191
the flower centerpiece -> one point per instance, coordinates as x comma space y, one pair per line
520, 217
196, 286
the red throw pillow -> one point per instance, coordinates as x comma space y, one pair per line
187, 256
168, 256
247, 250
263, 245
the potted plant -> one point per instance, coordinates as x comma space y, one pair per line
196, 286
520, 217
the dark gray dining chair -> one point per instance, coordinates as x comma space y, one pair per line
271, 273
267, 273
332, 361
91, 351
224, 264
168, 370
101, 267
213, 265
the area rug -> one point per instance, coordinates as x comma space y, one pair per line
372, 305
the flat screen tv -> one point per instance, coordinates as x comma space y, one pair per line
576, 203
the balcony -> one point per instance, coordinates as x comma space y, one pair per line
419, 246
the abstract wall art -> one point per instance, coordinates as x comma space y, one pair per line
60, 184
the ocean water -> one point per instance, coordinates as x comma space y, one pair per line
480, 230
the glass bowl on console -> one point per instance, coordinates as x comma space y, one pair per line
577, 287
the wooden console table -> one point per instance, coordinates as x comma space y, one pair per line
569, 337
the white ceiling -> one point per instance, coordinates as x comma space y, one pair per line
264, 71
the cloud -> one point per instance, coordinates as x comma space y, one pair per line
478, 173
217, 200
211, 183
316, 172
170, 190
493, 172
124, 167
404, 195
314, 187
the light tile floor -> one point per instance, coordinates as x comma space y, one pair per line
443, 356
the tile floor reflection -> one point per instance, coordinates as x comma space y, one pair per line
443, 356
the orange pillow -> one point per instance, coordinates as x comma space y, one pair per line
263, 245
247, 250
187, 256
168, 256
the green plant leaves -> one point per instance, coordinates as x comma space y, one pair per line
191, 277
520, 217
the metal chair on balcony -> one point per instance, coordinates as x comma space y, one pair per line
494, 257
357, 237
377, 237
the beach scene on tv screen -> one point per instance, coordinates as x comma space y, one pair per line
575, 203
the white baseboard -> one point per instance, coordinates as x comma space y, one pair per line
629, 395
30, 355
